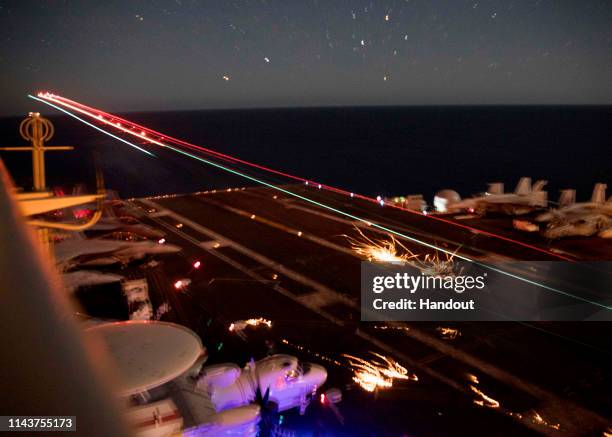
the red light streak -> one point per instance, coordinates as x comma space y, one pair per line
146, 134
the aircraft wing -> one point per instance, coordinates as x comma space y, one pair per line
70, 249
39, 205
74, 280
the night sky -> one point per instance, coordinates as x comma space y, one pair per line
184, 54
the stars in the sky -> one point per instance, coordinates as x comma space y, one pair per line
381, 44
373, 40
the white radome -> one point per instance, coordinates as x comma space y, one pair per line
147, 354
443, 198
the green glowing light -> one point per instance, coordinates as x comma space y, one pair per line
343, 213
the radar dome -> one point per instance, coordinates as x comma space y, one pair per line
443, 198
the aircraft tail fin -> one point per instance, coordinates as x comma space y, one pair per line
523, 187
567, 198
540, 198
599, 193
539, 185
495, 188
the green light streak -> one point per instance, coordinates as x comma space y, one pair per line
384, 228
340, 212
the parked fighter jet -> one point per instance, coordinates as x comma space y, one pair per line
584, 225
525, 199
127, 224
580, 219
568, 208
98, 252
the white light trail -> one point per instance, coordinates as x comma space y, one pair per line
93, 125
336, 210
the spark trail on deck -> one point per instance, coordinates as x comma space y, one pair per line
142, 134
154, 137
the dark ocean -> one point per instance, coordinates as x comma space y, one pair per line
380, 150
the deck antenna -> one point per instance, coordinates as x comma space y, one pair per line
39, 130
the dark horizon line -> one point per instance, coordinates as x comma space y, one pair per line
398, 106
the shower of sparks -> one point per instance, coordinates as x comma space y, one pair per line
448, 333
436, 265
241, 325
308, 351
378, 373
484, 400
92, 113
539, 420
392, 328
388, 250
369, 375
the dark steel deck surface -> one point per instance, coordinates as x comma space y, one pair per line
266, 254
